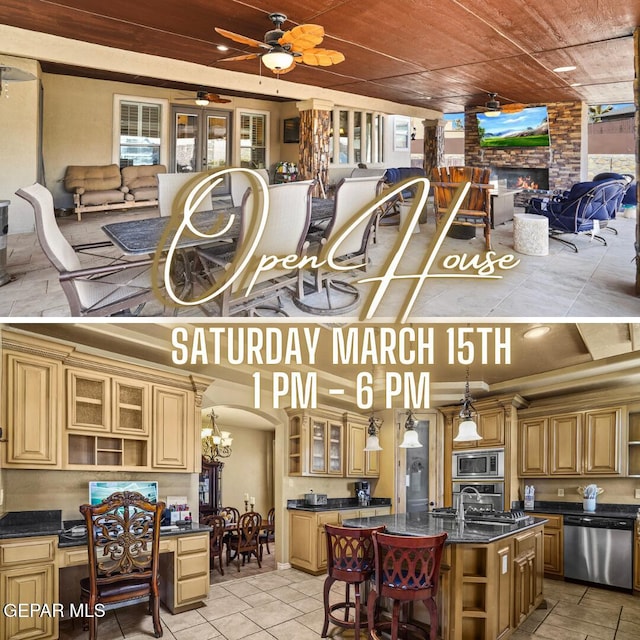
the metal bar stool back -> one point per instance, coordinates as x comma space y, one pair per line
407, 569
350, 559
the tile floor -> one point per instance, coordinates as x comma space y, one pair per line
287, 605
598, 281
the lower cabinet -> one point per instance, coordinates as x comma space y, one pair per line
307, 537
527, 574
553, 553
28, 574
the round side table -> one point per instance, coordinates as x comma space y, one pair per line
531, 234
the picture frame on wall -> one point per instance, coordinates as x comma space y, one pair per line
291, 130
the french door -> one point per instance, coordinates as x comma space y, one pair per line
201, 140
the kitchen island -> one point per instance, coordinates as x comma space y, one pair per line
491, 576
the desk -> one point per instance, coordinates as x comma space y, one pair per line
142, 237
42, 565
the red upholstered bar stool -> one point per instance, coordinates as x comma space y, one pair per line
349, 560
407, 569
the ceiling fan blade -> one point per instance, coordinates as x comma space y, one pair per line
321, 57
214, 97
513, 107
236, 37
304, 36
246, 56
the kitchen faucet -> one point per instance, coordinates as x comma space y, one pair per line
461, 502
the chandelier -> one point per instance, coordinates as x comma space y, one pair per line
215, 443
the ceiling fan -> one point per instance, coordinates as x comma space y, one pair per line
284, 49
203, 98
495, 109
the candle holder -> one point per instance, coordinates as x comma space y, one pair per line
252, 505
246, 505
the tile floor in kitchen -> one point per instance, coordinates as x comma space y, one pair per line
288, 605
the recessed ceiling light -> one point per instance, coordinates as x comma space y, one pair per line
564, 69
576, 84
222, 47
536, 332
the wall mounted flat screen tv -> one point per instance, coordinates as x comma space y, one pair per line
291, 130
526, 128
98, 491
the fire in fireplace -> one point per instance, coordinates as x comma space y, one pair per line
521, 177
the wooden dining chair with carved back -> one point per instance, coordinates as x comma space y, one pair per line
245, 542
268, 531
123, 534
231, 516
216, 540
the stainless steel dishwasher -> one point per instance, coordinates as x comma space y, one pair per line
599, 549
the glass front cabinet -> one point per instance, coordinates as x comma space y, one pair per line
210, 488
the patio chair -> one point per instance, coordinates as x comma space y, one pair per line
586, 207
173, 189
353, 196
621, 184
240, 183
475, 210
115, 287
284, 234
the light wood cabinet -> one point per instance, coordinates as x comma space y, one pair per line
553, 545
528, 575
69, 410
172, 439
360, 463
32, 411
28, 574
585, 443
328, 443
633, 452
307, 536
490, 427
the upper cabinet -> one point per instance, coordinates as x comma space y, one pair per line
328, 443
580, 443
74, 410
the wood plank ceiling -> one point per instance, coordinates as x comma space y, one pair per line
439, 54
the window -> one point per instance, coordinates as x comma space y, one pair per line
359, 137
401, 133
253, 140
140, 133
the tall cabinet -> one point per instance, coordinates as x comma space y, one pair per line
210, 488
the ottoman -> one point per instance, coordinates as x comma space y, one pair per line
531, 234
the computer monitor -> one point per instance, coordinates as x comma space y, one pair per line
99, 490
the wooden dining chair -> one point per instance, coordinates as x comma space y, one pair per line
268, 531
216, 539
231, 516
115, 286
245, 542
475, 210
123, 534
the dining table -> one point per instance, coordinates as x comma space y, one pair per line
142, 236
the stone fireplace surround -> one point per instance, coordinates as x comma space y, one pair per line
562, 160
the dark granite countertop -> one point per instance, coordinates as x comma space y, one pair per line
575, 508
28, 524
337, 504
426, 524
31, 524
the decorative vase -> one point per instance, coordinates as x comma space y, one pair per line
589, 504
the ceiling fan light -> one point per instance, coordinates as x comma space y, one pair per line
467, 432
277, 59
492, 114
202, 102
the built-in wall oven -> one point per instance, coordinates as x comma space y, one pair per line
483, 496
485, 464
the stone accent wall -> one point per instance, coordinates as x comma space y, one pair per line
433, 145
563, 158
314, 146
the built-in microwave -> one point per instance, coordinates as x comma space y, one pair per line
481, 463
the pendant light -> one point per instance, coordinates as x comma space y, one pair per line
373, 442
467, 429
410, 440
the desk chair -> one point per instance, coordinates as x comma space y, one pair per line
123, 534
114, 287
407, 569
